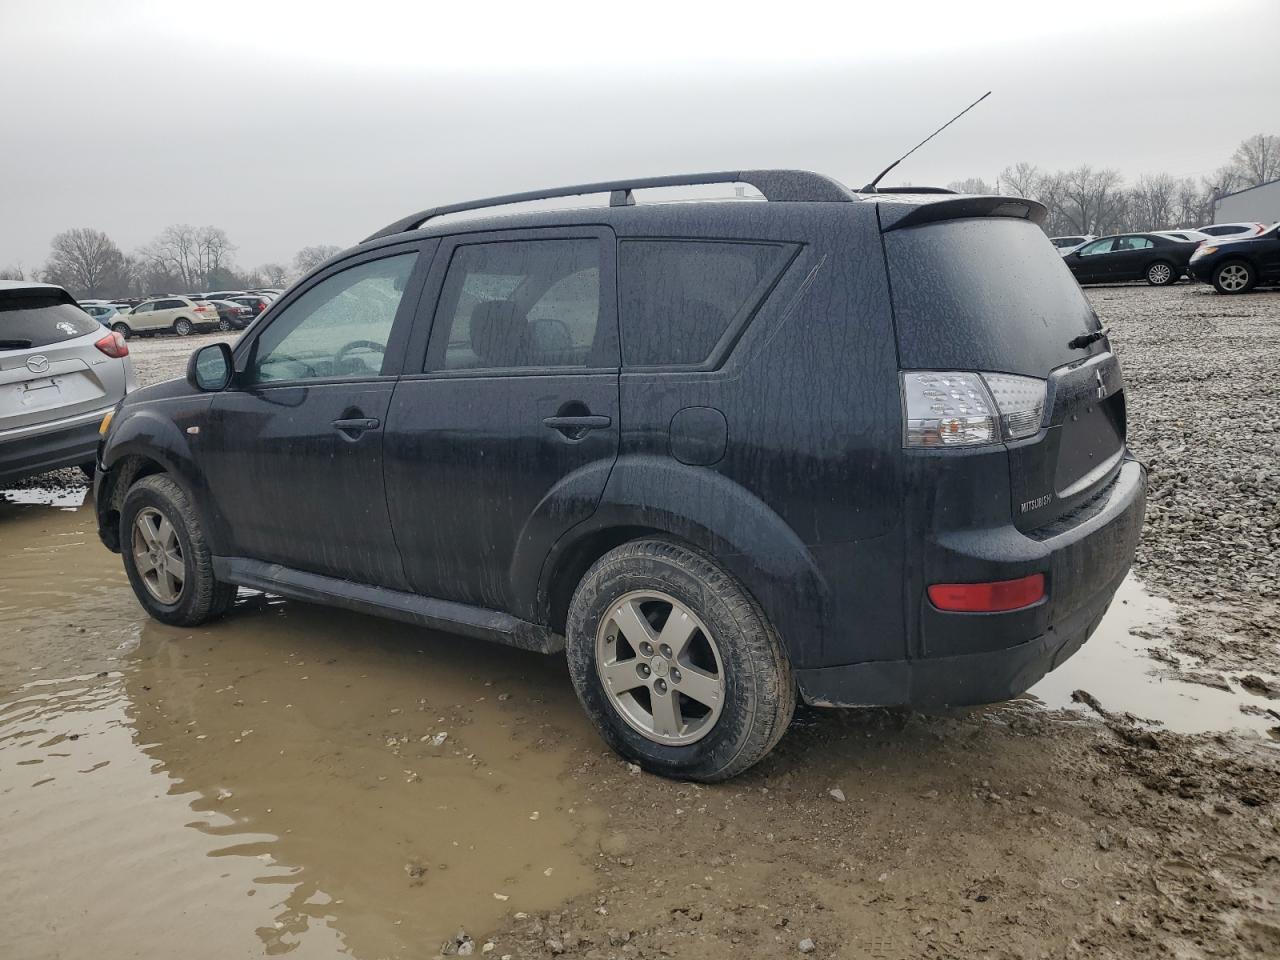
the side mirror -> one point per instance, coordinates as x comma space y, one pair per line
210, 368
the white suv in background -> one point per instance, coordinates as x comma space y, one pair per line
179, 314
60, 374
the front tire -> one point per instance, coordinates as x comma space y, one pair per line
167, 557
1161, 274
122, 329
1234, 276
183, 327
676, 664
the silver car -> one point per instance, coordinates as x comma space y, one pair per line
60, 374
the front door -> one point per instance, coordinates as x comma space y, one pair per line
293, 450
1090, 261
1130, 258
503, 436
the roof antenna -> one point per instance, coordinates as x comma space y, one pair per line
871, 187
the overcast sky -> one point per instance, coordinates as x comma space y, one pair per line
318, 122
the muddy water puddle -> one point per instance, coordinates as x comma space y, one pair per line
1116, 666
292, 779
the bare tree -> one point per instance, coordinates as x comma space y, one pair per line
85, 261
1153, 202
1257, 160
13, 272
1020, 180
188, 257
272, 275
973, 185
213, 252
308, 258
1092, 199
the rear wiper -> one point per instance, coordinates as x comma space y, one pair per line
14, 344
1082, 341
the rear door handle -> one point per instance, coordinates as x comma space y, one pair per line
356, 424
581, 424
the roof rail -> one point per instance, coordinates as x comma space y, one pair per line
914, 190
776, 185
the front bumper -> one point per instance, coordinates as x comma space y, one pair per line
972, 658
65, 444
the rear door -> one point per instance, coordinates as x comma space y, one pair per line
1015, 312
504, 427
49, 366
293, 451
1130, 258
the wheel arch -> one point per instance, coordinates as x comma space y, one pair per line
662, 498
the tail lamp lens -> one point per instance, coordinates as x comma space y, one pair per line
995, 597
962, 409
113, 345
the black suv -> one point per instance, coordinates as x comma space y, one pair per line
857, 448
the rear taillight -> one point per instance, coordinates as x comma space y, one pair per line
113, 345
995, 597
961, 409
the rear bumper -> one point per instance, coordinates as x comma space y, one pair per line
65, 444
971, 658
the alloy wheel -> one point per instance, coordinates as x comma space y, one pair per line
1233, 277
660, 667
1159, 273
157, 553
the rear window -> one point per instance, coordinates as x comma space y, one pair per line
678, 298
983, 294
39, 319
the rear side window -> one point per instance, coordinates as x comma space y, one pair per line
39, 319
519, 304
678, 298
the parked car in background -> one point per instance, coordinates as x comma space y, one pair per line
272, 292
1233, 230
224, 294
177, 314
1239, 265
104, 313
232, 316
1184, 236
1131, 256
60, 374
1066, 244
255, 302
664, 437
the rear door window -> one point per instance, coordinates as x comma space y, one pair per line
520, 304
32, 319
678, 299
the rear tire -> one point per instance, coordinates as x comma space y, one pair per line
169, 563
1234, 276
1161, 274
731, 658
122, 329
183, 327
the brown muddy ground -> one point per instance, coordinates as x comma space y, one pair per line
298, 780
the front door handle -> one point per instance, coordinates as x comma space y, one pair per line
356, 425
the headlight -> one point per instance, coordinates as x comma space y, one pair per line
1202, 251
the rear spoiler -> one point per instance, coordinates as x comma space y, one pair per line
898, 211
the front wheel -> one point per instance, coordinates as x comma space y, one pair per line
167, 557
122, 329
676, 664
182, 327
1234, 276
1161, 274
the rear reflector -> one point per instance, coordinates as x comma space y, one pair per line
994, 597
113, 345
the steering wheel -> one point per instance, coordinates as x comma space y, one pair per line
356, 345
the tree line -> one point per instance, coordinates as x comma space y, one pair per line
1087, 199
181, 259
1097, 200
